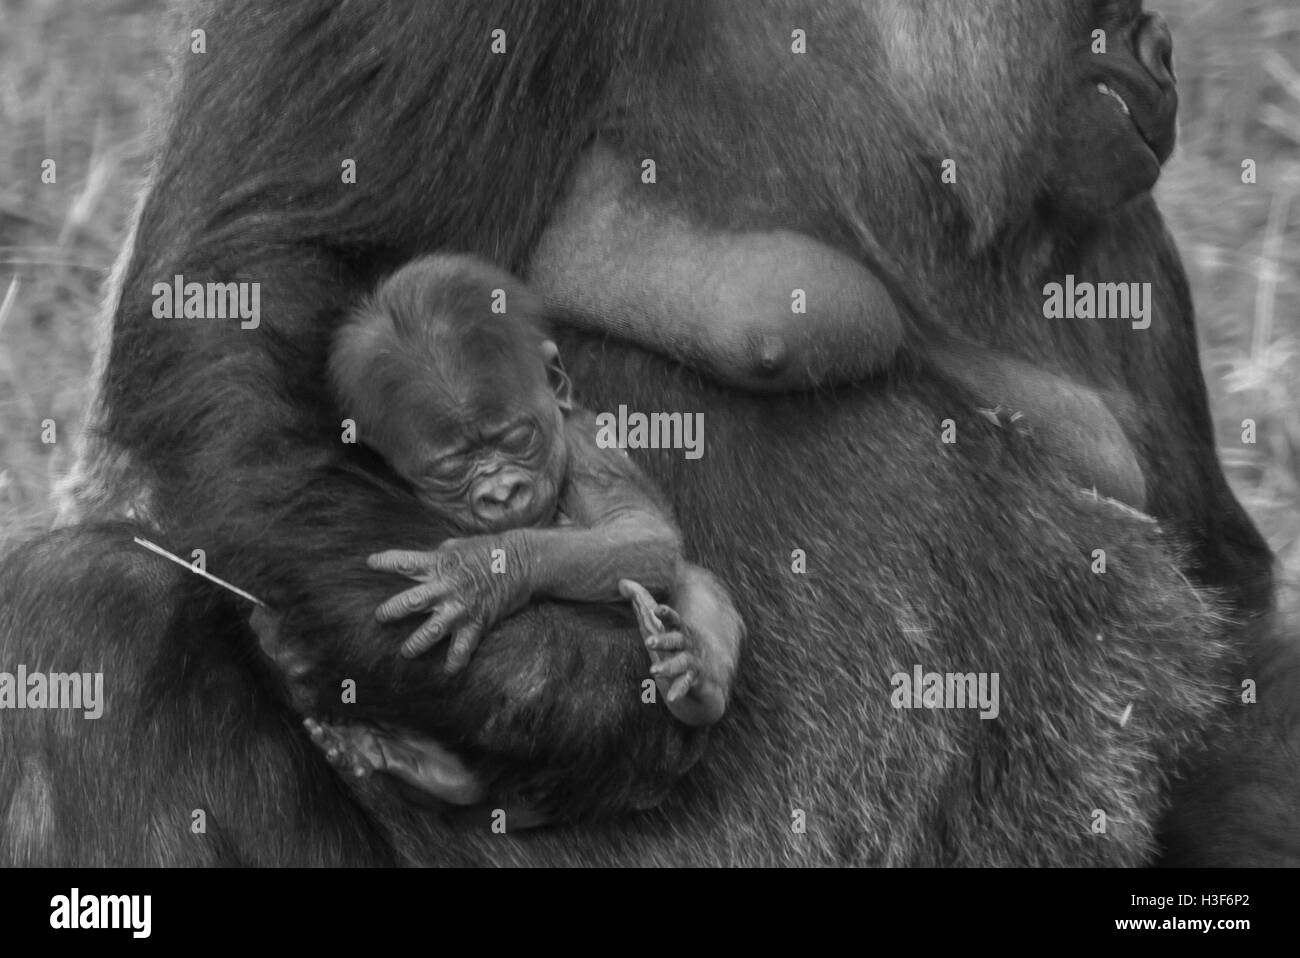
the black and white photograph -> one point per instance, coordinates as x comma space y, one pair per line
650, 433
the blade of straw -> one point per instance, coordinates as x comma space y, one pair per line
152, 547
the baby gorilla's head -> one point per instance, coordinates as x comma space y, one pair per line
466, 404
498, 464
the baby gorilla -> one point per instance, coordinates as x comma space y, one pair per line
473, 408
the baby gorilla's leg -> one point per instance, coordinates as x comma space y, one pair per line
360, 749
419, 762
718, 301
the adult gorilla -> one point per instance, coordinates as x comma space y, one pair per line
973, 556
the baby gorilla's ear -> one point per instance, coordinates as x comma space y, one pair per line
559, 380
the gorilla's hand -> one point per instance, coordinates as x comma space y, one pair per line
419, 762
460, 590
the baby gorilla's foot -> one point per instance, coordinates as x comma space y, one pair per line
349, 748
678, 667
419, 762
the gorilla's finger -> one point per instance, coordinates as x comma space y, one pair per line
418, 599
405, 562
433, 631
462, 647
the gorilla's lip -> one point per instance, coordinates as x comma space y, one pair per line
1152, 143
1105, 90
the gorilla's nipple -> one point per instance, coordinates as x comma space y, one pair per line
773, 355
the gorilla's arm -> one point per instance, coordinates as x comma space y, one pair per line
250, 189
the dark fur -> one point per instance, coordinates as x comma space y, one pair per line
966, 557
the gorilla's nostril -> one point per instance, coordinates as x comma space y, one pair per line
520, 497
1155, 48
504, 496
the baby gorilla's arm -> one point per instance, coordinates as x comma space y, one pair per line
694, 644
619, 531
718, 301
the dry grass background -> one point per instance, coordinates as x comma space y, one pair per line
78, 82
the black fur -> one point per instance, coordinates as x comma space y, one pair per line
965, 557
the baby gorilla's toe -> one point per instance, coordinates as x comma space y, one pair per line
668, 617
680, 688
683, 663
666, 642
643, 607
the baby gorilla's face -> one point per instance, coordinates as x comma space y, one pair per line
501, 475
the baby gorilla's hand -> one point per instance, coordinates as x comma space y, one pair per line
459, 587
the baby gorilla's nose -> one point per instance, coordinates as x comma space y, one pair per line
498, 498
